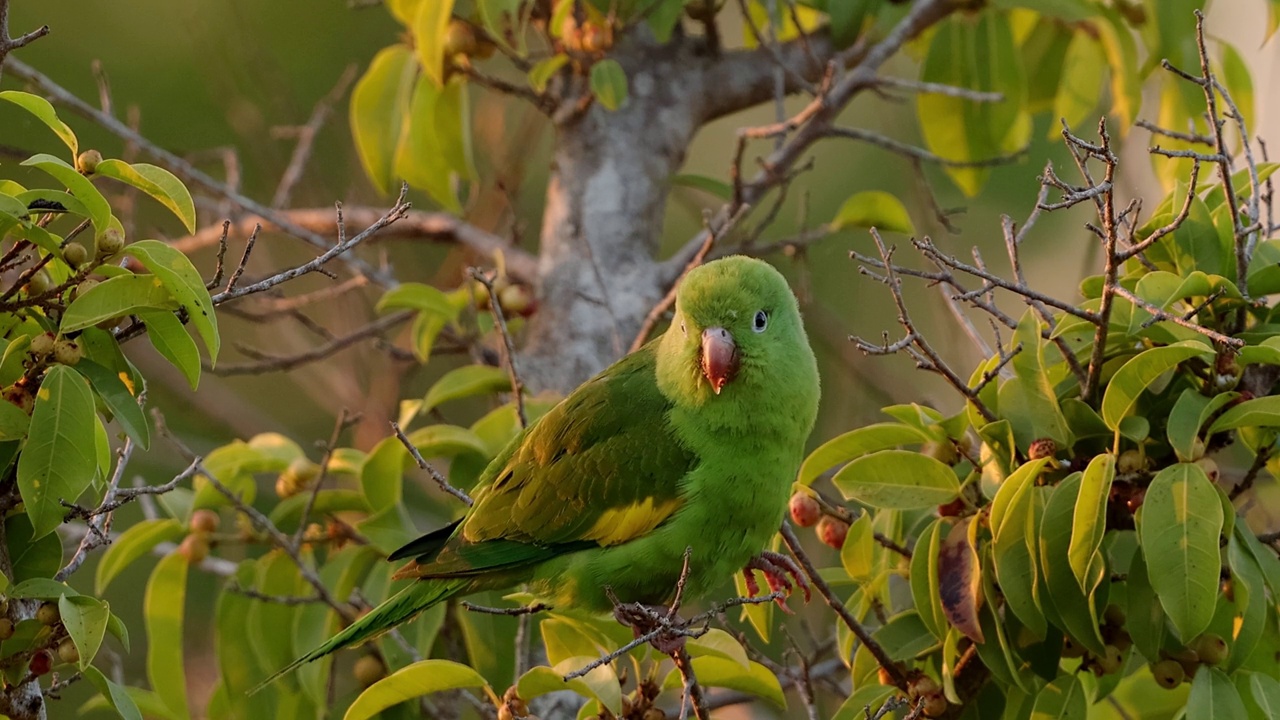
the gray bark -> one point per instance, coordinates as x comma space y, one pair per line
598, 269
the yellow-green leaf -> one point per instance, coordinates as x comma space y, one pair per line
1138, 373
1090, 520
57, 463
467, 381
85, 619
1081, 83
430, 30
379, 109
609, 83
133, 543
874, 209
79, 185
45, 113
160, 184
185, 284
855, 443
897, 479
162, 611
1181, 526
171, 340
116, 297
541, 73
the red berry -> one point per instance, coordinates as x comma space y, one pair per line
41, 663
832, 531
1042, 448
955, 508
805, 510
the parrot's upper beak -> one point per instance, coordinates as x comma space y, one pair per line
719, 357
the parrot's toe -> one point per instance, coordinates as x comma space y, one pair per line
779, 570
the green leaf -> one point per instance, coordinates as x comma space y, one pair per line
856, 443
79, 185
45, 113
430, 30
423, 156
185, 284
85, 619
924, 578
1181, 525
157, 182
1259, 412
115, 297
874, 209
133, 543
1234, 73
1062, 595
1090, 519
897, 479
171, 340
1030, 403
1250, 599
721, 644
1213, 696
905, 636
1015, 534
1122, 56
1266, 693
609, 83
443, 441
379, 109
162, 610
1139, 373
719, 672
864, 697
464, 382
382, 475
859, 549
417, 296
1145, 619
116, 396
1062, 699
116, 696
541, 73
847, 18
39, 559
41, 589
57, 462
13, 422
1080, 87
712, 186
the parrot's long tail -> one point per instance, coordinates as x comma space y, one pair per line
396, 609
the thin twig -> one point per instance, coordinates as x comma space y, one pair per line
440, 479
508, 345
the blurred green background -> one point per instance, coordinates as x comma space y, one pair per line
207, 76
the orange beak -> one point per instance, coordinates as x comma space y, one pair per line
719, 357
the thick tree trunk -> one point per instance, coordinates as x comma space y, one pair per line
607, 196
604, 213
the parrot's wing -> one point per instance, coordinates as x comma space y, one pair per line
601, 468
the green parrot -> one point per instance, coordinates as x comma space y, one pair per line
692, 441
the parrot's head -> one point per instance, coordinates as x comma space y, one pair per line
736, 323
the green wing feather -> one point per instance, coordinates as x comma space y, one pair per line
398, 608
602, 467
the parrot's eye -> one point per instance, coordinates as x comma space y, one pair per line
761, 321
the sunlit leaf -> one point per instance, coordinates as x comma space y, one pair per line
1090, 520
464, 382
855, 443
79, 185
897, 479
430, 28
874, 209
183, 281
162, 610
114, 297
379, 108
157, 182
137, 540
57, 462
1138, 373
44, 112
1181, 525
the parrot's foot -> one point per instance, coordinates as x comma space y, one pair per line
666, 631
778, 571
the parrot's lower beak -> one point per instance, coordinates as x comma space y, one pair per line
719, 357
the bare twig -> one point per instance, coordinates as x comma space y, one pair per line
268, 363
508, 345
440, 479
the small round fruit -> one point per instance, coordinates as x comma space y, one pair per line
369, 670
883, 676
87, 161
39, 283
1130, 461
48, 614
1114, 615
6, 628
18, 395
85, 286
944, 452
517, 300
935, 705
195, 548
922, 686
67, 352
42, 344
41, 663
1197, 449
654, 713
1135, 500
1168, 673
286, 486
832, 531
955, 508
1111, 660
805, 510
460, 39
68, 652
75, 254
1210, 468
1211, 648
205, 521
110, 242
595, 39
303, 470
1042, 448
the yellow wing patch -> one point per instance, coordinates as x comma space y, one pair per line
618, 525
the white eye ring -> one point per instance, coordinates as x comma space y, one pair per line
761, 321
